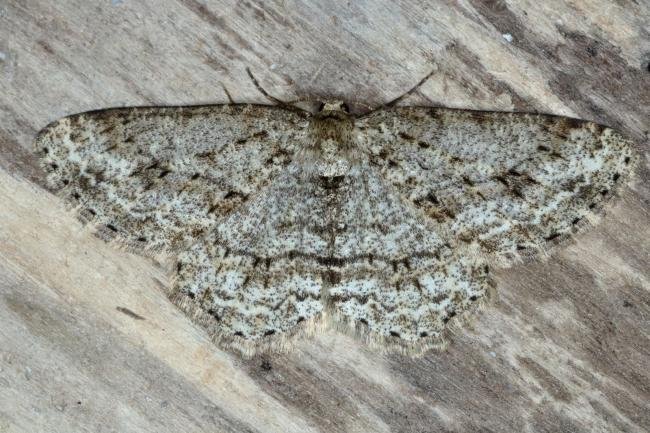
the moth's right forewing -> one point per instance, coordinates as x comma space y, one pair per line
509, 182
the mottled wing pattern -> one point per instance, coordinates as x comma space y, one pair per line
506, 181
394, 277
281, 220
444, 190
260, 273
157, 178
346, 243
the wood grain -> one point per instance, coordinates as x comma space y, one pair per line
88, 340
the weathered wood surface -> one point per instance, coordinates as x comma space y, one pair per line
88, 340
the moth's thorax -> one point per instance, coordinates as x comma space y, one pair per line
332, 140
335, 125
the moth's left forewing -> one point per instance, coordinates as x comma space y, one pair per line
169, 178
155, 177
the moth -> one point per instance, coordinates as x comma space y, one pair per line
283, 220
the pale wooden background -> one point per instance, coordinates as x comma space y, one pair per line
566, 347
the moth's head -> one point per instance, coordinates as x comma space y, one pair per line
333, 122
333, 109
